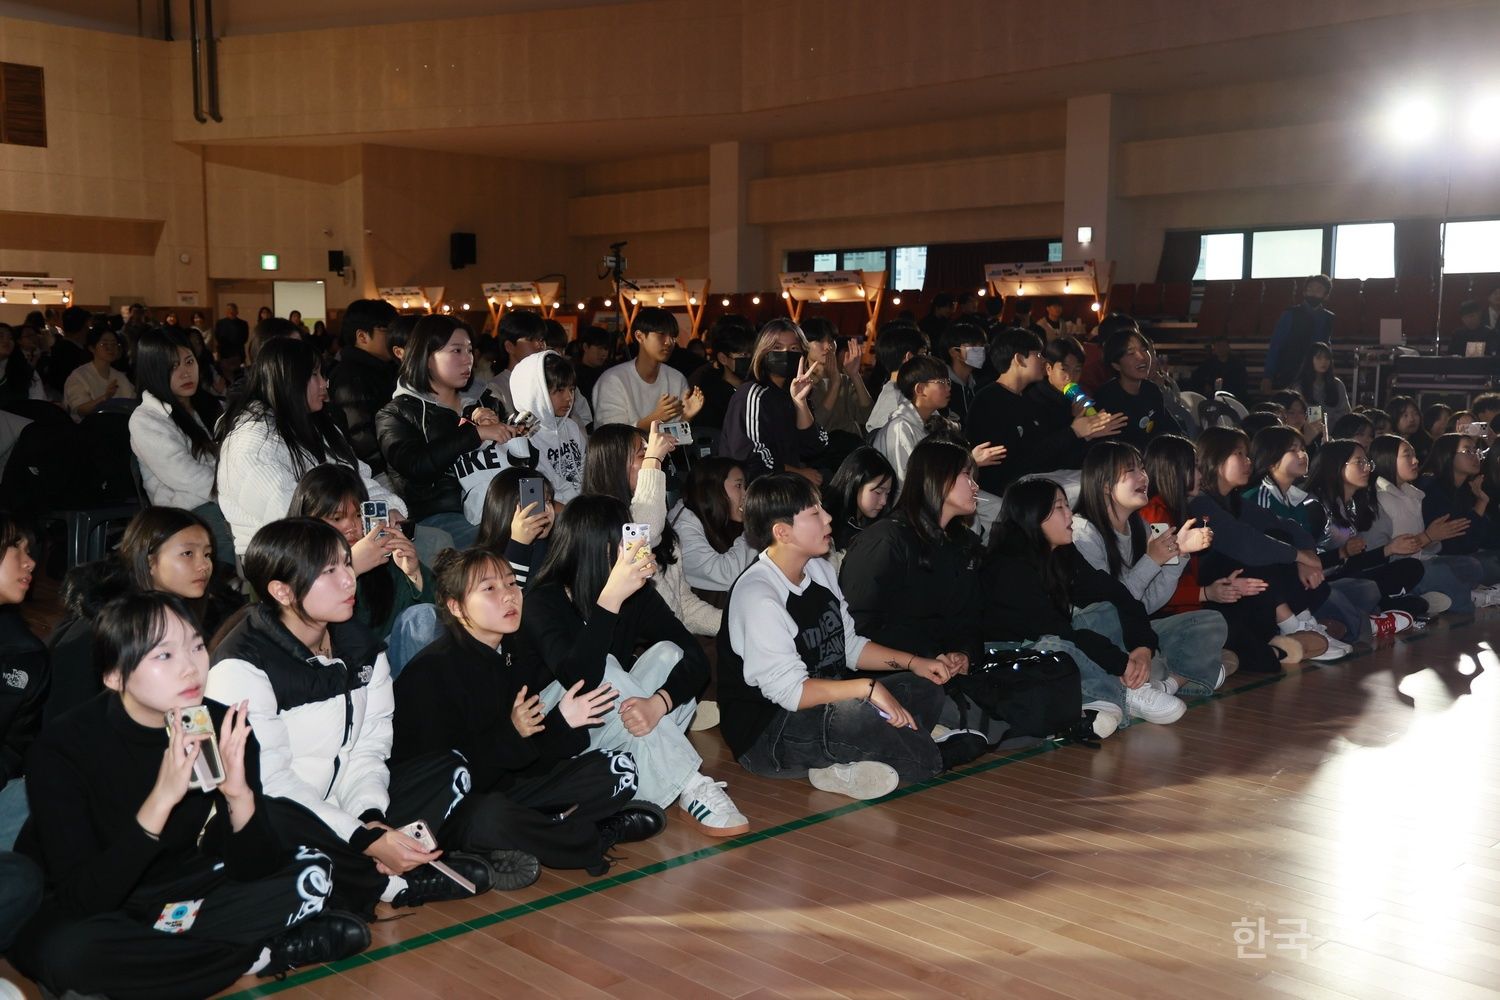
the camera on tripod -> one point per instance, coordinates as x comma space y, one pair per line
614, 261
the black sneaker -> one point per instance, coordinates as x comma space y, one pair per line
959, 746
425, 884
326, 937
512, 870
637, 821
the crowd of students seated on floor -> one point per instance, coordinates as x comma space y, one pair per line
513, 644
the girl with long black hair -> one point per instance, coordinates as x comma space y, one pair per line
1109, 636
587, 612
164, 549
155, 888
1340, 480
858, 496
274, 432
911, 580
616, 466
1251, 607
1250, 538
1400, 515
709, 521
391, 577
171, 432
1320, 386
427, 426
318, 687
1452, 484
1110, 533
514, 533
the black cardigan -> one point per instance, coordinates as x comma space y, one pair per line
1020, 609
457, 693
555, 635
896, 602
87, 777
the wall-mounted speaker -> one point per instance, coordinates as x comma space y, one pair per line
461, 250
336, 261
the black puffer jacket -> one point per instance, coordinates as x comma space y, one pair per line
361, 385
421, 439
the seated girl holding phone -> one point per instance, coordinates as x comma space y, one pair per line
539, 793
625, 463
319, 693
165, 877
390, 576
587, 612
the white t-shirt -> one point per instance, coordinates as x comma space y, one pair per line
621, 396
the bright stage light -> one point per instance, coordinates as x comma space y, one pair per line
1412, 119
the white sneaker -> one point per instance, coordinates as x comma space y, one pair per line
1153, 704
708, 805
705, 717
1107, 717
865, 779
1167, 685
1437, 602
1337, 648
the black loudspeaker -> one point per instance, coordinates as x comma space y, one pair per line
336, 261
461, 250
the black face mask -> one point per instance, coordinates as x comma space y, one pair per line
741, 368
782, 364
1313, 302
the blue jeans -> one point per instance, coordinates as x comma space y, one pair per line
844, 732
411, 632
1192, 644
20, 894
1098, 684
1351, 601
14, 809
1455, 577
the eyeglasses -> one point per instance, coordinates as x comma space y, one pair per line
1467, 451
938, 381
1362, 463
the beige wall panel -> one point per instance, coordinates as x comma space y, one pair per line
667, 170
414, 199
981, 182
639, 211
988, 135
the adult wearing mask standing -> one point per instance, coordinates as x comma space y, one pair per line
1298, 329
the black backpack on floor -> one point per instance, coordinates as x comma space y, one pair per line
1034, 693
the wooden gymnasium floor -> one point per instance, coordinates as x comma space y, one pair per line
1346, 818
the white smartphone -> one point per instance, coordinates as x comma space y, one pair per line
1157, 530
208, 769
678, 430
418, 831
1315, 414
1478, 429
634, 531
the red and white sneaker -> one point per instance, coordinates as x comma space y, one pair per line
1389, 623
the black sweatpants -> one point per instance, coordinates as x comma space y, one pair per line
122, 955
1252, 625
528, 814
426, 788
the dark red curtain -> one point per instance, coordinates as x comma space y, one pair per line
956, 267
1179, 256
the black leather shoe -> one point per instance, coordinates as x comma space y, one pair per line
326, 937
425, 884
637, 821
512, 870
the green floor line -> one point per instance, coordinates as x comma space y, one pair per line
745, 840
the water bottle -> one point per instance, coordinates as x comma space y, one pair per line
1074, 393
